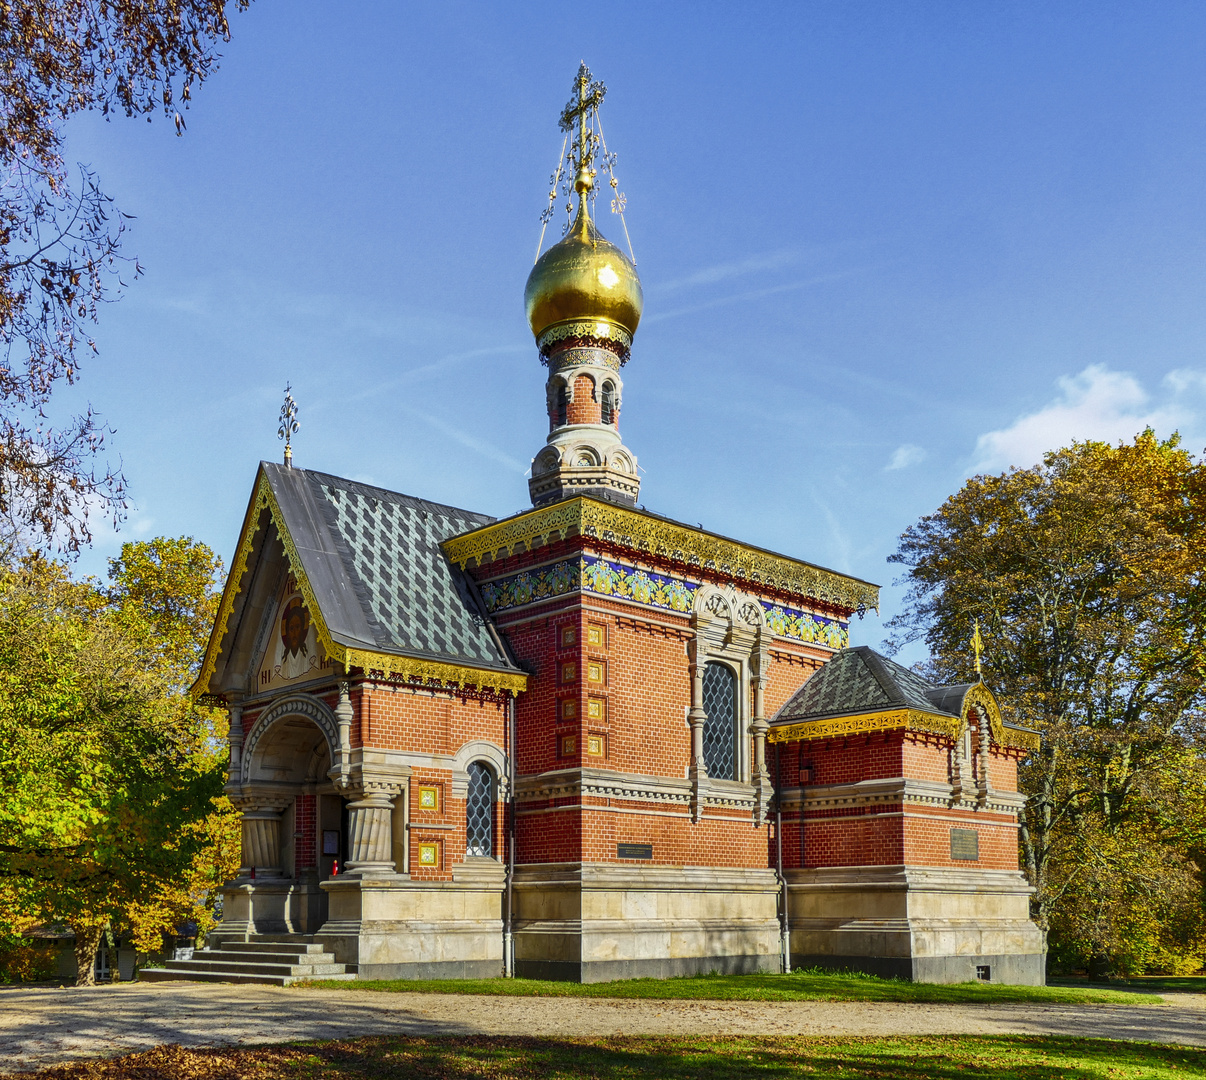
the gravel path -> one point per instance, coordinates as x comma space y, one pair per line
40, 1027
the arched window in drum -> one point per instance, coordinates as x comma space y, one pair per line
720, 728
609, 403
479, 811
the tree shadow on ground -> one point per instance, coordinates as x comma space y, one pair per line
628, 1058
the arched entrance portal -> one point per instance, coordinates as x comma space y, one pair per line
294, 821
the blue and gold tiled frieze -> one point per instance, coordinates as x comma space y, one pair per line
603, 577
805, 626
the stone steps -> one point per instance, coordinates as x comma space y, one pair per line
273, 963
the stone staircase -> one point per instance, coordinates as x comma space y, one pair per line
275, 963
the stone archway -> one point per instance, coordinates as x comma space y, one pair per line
287, 799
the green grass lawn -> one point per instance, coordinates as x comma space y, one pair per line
799, 986
1154, 984
780, 1058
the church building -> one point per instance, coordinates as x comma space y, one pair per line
588, 742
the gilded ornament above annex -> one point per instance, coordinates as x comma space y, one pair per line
642, 532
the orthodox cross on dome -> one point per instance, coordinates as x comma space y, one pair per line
580, 160
588, 96
977, 644
289, 424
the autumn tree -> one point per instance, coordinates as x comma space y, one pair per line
111, 813
1086, 573
61, 237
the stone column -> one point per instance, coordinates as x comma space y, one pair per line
697, 717
343, 715
235, 742
760, 661
983, 751
262, 841
370, 833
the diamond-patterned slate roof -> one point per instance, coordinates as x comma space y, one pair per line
859, 680
373, 559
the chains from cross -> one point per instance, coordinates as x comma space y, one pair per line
586, 153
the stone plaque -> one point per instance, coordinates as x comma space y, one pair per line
965, 844
634, 851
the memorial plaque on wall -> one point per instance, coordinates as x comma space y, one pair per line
634, 851
965, 844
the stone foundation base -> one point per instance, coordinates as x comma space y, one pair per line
592, 922
928, 925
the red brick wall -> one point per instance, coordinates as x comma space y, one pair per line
585, 407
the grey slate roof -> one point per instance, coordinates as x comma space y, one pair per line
859, 680
374, 562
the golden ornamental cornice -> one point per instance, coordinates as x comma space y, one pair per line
666, 539
980, 697
603, 329
435, 670
950, 727
238, 569
406, 667
868, 723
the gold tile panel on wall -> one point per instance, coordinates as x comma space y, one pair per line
666, 539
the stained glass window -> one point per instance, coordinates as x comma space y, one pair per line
719, 732
479, 811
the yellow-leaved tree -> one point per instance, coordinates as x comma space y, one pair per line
1087, 575
111, 806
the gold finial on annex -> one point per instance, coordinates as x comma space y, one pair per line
977, 643
289, 424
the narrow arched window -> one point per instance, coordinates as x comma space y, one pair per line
609, 403
479, 811
720, 728
562, 405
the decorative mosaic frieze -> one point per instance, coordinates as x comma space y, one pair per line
532, 585
604, 577
805, 626
682, 544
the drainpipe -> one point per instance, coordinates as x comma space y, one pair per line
784, 925
508, 939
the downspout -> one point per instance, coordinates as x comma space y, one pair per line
508, 939
784, 925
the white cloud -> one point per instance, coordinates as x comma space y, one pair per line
1096, 404
904, 456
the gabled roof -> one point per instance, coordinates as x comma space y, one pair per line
860, 690
368, 561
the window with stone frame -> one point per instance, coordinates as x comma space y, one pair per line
720, 727
562, 406
609, 403
479, 811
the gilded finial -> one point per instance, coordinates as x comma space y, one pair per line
588, 96
289, 424
977, 643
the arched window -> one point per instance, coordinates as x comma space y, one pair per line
479, 811
609, 403
720, 728
562, 405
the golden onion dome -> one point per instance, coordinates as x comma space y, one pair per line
583, 277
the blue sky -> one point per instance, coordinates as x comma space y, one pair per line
883, 246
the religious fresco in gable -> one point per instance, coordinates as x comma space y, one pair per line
294, 653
